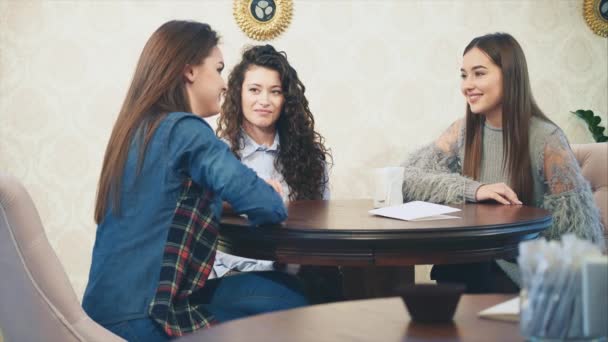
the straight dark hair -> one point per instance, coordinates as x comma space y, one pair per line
157, 89
518, 106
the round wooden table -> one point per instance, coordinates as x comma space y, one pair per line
384, 319
342, 232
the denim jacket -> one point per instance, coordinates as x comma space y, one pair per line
129, 243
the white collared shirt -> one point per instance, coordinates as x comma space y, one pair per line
260, 158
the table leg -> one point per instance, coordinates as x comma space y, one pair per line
374, 281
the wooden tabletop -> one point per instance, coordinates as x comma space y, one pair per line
383, 319
342, 232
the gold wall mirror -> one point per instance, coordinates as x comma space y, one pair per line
263, 19
596, 15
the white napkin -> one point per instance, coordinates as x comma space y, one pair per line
416, 210
505, 311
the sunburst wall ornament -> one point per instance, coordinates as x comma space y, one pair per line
263, 19
596, 15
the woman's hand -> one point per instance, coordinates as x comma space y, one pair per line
500, 192
275, 185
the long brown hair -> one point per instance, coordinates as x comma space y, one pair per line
157, 88
518, 106
302, 153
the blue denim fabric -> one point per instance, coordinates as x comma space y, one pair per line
138, 330
229, 298
129, 244
252, 293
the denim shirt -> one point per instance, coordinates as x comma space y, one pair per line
129, 244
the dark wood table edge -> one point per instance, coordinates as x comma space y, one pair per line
382, 247
466, 321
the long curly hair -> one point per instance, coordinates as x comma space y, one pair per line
302, 155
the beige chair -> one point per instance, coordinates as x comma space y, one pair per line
37, 302
593, 159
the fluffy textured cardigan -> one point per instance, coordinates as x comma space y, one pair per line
434, 173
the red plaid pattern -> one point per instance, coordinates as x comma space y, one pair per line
187, 261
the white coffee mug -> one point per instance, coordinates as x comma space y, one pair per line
387, 186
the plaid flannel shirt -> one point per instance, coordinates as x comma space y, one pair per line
187, 261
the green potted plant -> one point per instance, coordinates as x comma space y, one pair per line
593, 123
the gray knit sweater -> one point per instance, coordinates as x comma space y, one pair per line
434, 173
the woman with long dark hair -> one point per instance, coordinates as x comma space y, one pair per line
506, 150
267, 123
252, 112
152, 257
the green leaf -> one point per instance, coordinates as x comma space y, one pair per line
578, 113
593, 124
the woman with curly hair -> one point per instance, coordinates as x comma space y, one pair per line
265, 106
267, 124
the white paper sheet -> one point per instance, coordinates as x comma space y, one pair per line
436, 217
416, 210
505, 311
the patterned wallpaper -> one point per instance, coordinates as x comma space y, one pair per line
382, 78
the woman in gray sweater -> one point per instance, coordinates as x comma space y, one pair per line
506, 150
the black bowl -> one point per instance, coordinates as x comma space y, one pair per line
430, 303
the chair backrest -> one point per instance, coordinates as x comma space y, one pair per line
593, 159
37, 301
